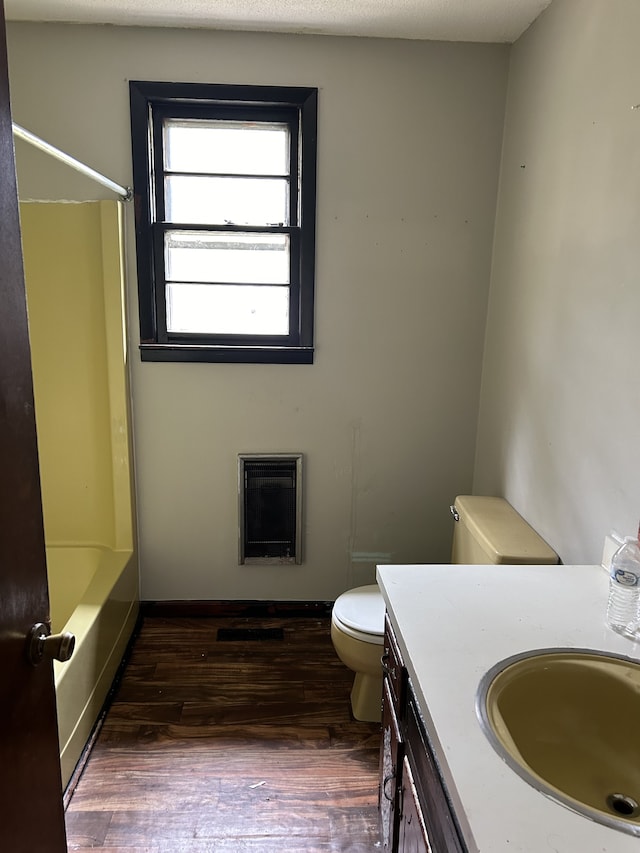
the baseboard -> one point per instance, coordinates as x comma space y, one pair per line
262, 609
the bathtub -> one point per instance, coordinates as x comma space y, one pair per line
74, 274
93, 593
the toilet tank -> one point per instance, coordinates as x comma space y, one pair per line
490, 531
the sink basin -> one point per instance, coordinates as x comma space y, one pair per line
568, 722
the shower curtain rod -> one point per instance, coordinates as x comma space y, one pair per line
125, 192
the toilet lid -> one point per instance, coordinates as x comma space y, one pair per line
361, 609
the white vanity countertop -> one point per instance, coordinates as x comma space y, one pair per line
454, 623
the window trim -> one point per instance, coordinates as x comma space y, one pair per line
150, 100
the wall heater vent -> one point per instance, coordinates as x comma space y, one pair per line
270, 508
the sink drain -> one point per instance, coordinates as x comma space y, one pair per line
623, 805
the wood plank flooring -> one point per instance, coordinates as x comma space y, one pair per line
245, 745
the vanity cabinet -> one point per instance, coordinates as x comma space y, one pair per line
415, 813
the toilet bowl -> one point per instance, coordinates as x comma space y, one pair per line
488, 532
357, 632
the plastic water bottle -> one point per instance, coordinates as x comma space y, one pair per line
623, 608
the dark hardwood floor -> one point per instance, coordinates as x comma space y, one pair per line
244, 745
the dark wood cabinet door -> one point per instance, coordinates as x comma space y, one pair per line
436, 808
391, 754
413, 836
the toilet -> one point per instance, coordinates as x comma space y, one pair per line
488, 531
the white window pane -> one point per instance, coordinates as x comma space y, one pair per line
227, 310
226, 147
194, 256
237, 201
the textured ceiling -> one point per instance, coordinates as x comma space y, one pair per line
447, 20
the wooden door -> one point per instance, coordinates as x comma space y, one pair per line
31, 813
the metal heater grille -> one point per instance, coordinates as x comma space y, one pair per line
270, 504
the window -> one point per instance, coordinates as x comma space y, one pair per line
225, 185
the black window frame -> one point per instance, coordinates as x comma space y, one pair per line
150, 104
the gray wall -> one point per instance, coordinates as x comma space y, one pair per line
409, 149
559, 426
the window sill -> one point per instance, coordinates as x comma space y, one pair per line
226, 354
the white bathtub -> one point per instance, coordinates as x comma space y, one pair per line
93, 593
